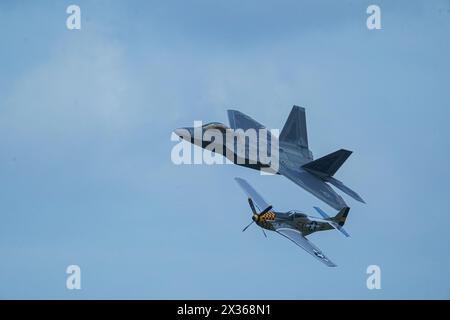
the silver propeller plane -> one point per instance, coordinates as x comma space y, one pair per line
293, 225
295, 160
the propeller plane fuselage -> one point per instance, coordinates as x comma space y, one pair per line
273, 220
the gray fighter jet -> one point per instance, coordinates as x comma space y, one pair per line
293, 225
295, 160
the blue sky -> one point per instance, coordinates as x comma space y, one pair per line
85, 124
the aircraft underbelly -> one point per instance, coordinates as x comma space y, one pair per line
304, 225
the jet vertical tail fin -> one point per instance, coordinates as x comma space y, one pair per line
327, 165
294, 130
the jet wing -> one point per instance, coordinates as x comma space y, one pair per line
314, 185
239, 120
252, 193
296, 237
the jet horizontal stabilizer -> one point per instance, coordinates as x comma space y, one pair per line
338, 184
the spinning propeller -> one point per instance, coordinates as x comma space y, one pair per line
256, 215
